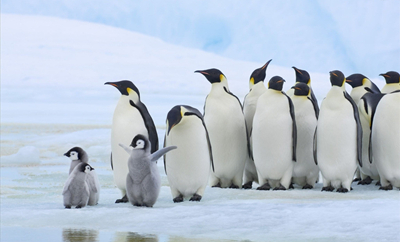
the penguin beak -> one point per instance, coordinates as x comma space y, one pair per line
347, 80
266, 64
297, 70
91, 168
66, 154
202, 72
111, 83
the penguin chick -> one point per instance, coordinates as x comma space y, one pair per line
392, 79
76, 190
143, 181
77, 155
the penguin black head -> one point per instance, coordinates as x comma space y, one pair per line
258, 75
140, 142
302, 75
176, 114
125, 87
75, 153
356, 80
213, 75
301, 89
276, 83
391, 77
337, 78
84, 167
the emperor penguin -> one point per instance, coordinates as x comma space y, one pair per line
77, 156
226, 126
305, 171
392, 79
338, 137
257, 88
188, 168
274, 137
385, 140
76, 189
143, 181
131, 118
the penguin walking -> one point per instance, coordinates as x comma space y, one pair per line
76, 190
257, 88
385, 140
131, 117
226, 126
338, 137
77, 156
305, 171
143, 181
274, 137
188, 168
392, 79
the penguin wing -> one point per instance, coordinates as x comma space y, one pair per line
315, 146
294, 127
91, 180
149, 123
68, 183
156, 155
315, 103
358, 124
111, 161
165, 157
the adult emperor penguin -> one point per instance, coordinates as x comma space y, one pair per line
226, 126
188, 168
392, 79
130, 118
338, 137
305, 171
143, 182
257, 88
385, 140
274, 137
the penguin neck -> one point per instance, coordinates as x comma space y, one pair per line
218, 87
258, 88
74, 163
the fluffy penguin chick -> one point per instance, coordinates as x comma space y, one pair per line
78, 155
188, 168
143, 181
76, 190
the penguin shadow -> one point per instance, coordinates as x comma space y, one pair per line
80, 235
134, 237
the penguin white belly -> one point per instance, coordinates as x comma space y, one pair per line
391, 87
227, 131
188, 167
357, 92
272, 136
127, 122
386, 139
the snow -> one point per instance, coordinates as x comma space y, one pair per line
53, 98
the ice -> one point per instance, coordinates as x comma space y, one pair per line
27, 155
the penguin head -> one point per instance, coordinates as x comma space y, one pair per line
391, 77
337, 78
76, 153
301, 89
84, 167
302, 76
213, 75
126, 88
258, 75
276, 83
356, 80
140, 142
178, 114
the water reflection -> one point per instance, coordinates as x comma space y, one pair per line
134, 237
80, 235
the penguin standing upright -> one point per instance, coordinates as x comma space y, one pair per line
392, 79
359, 82
338, 137
305, 171
385, 140
274, 137
188, 168
257, 88
130, 118
226, 126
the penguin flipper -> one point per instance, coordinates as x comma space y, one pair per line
359, 128
165, 157
370, 148
67, 183
209, 147
112, 165
92, 176
374, 88
315, 103
156, 155
294, 127
126, 148
315, 146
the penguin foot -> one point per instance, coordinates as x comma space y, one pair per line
79, 206
378, 183
248, 185
233, 186
357, 179
386, 188
122, 200
217, 185
68, 207
342, 190
328, 189
291, 186
178, 199
137, 204
365, 181
264, 187
307, 186
280, 188
196, 198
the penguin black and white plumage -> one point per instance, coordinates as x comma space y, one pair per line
385, 140
226, 127
143, 181
188, 168
257, 88
338, 137
77, 156
76, 190
131, 117
392, 79
274, 137
305, 171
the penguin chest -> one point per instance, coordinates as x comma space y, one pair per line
249, 107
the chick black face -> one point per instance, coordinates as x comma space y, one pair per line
124, 87
302, 75
355, 80
85, 167
301, 89
75, 150
213, 75
139, 142
258, 75
337, 78
276, 83
391, 77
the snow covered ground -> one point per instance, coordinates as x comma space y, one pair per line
53, 98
